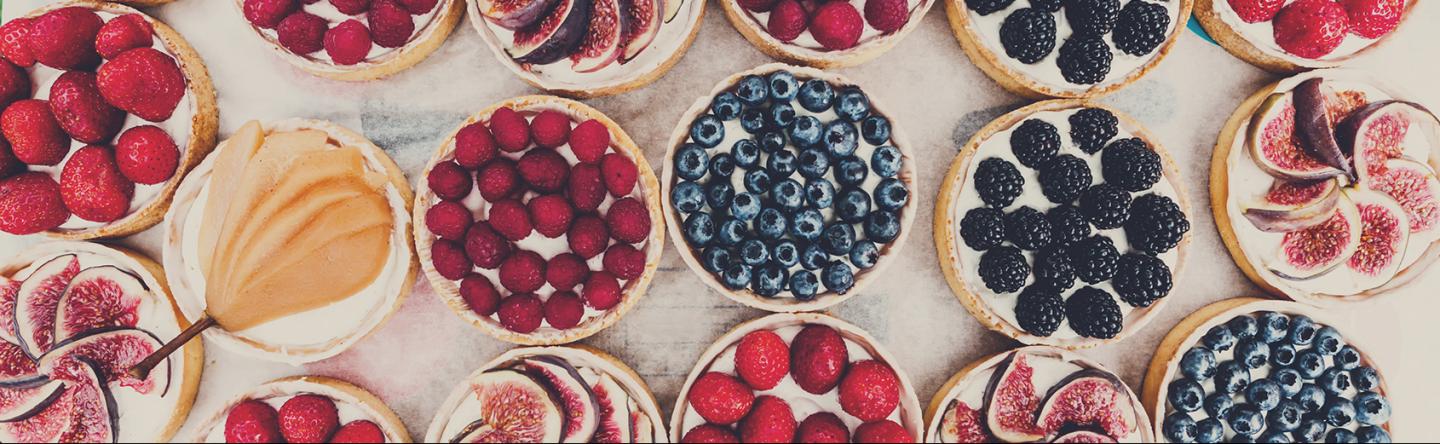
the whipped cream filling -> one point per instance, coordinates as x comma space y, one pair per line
761, 20
998, 146
1262, 36
333, 17
275, 394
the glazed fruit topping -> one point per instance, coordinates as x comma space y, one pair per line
300, 28
1029, 35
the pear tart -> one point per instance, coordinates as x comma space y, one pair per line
105, 109
825, 34
352, 40
304, 409
1289, 36
295, 238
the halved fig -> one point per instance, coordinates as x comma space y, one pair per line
36, 302
15, 365
1376, 133
514, 14
554, 36
1413, 185
614, 412
1314, 251
1088, 398
8, 290
93, 414
582, 415
1290, 206
1384, 232
513, 408
21, 400
46, 425
1084, 436
672, 9
1314, 128
642, 431
962, 424
602, 44
99, 297
642, 24
1276, 147
1010, 401
115, 351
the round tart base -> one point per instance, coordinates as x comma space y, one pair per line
429, 39
947, 229
824, 300
1236, 44
326, 386
786, 52
634, 289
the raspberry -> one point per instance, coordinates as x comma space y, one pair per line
758, 5
987, 7
1256, 11
308, 418
418, 7
302, 33
1084, 59
1094, 259
620, 174
268, 13
474, 146
15, 42
589, 140
1141, 279
870, 390
1311, 28
762, 359
34, 135
624, 261
479, 294
1105, 205
1092, 128
449, 181
837, 25
1141, 28
1067, 225
564, 309
523, 272
1064, 178
361, 431
486, 247
1131, 165
787, 21
998, 182
252, 421
720, 398
510, 130
550, 129
30, 203
709, 434
770, 421
76, 104
551, 214
497, 179
1039, 310
14, 84
1027, 229
887, 15
1156, 224
348, 43
390, 24
147, 155
93, 187
1093, 313
882, 431
628, 220
449, 259
511, 219
64, 38
587, 236
144, 82
1004, 269
521, 313
565, 271
449, 220
983, 228
544, 170
586, 187
1373, 19
351, 7
818, 358
1092, 17
1035, 142
601, 291
124, 33
823, 427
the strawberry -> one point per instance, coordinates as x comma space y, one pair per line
565, 271
449, 259
474, 146
479, 294
758, 5
720, 398
544, 170
521, 313
628, 220
93, 187
837, 25
449, 181
147, 155
1256, 11
620, 174
361, 431
523, 272
65, 38
624, 261
709, 434
823, 427
351, 7
418, 7
1373, 19
770, 421
882, 431
144, 82
762, 359
302, 33
550, 129
252, 421
484, 246
390, 24
551, 214
348, 43
15, 42
564, 309
870, 390
122, 34
34, 135
818, 358
1311, 28
30, 203
449, 220
587, 236
308, 419
14, 84
586, 188
589, 140
511, 219
497, 179
76, 103
787, 21
601, 291
887, 15
510, 129
268, 13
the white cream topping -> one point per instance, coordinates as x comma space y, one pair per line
275, 395
1262, 36
761, 20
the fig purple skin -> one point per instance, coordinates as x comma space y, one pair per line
554, 36
514, 14
1054, 407
1313, 128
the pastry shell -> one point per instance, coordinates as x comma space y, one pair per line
427, 40
332, 388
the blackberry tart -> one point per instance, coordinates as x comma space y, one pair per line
1290, 36
1062, 223
1070, 48
826, 34
1249, 369
352, 40
790, 188
304, 409
1324, 190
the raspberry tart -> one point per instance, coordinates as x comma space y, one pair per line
541, 221
1324, 190
105, 109
1069, 48
769, 183
1036, 393
588, 48
1062, 223
1262, 370
825, 34
77, 316
550, 394
1290, 36
801, 377
293, 238
352, 40
304, 409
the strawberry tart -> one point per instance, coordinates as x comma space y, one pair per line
1036, 393
1290, 36
1067, 48
293, 239
352, 40
76, 317
1324, 190
825, 34
304, 409
588, 48
105, 109
803, 377
541, 221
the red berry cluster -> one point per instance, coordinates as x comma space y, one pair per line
818, 362
302, 418
108, 70
835, 24
1314, 28
520, 171
387, 23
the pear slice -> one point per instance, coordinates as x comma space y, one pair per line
229, 165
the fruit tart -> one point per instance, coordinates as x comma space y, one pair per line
1290, 36
352, 40
790, 188
825, 34
1249, 369
294, 238
570, 393
76, 317
541, 221
1324, 190
1062, 223
1036, 393
796, 377
105, 109
587, 48
1067, 48
304, 409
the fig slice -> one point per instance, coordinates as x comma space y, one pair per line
1314, 128
100, 297
1084, 436
1088, 398
15, 365
1385, 230
1275, 146
1010, 401
643, 19
554, 36
8, 290
642, 430
614, 411
114, 351
582, 414
603, 43
513, 408
1313, 251
962, 424
1377, 132
1413, 185
37, 300
514, 14
24, 399
1290, 206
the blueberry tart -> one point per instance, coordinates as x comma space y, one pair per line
352, 40
825, 34
1290, 36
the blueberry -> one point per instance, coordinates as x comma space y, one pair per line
838, 277
1365, 378
1341, 436
1302, 330
1309, 363
1209, 430
731, 232
752, 90
852, 205
722, 165
1274, 436
1218, 405
820, 193
771, 141
1289, 381
1328, 341
1372, 434
891, 194
757, 181
1347, 358
805, 132
752, 120
1273, 326
715, 259
785, 253
839, 138
875, 129
850, 171
788, 194
804, 285
1246, 420
691, 162
719, 194
1338, 411
882, 226
754, 252
736, 277
746, 153
1198, 363
814, 163
1186, 395
864, 255
1231, 377
1310, 397
699, 228
885, 161
807, 224
1243, 327
1335, 381
1371, 408
1178, 427
1219, 338
1310, 430
707, 131
1282, 354
726, 106
852, 105
812, 257
688, 197
1285, 416
771, 224
745, 206
1254, 352
783, 86
770, 280
780, 116
781, 164
1263, 393
838, 239
816, 95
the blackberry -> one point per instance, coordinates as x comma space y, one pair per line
1004, 269
1039, 310
1130, 164
1140, 28
987, 7
1067, 225
1085, 59
1092, 128
1053, 268
1093, 313
1092, 17
1156, 224
983, 228
998, 182
1140, 279
1035, 142
1047, 5
1028, 35
1064, 178
1105, 205
1094, 259
1027, 229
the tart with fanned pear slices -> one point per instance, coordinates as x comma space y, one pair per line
1290, 36
304, 409
352, 40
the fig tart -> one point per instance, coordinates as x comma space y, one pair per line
541, 221
789, 189
304, 409
352, 40
825, 34
105, 109
294, 237
1290, 36
1324, 190
587, 48
76, 317
796, 377
572, 393
1250, 369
